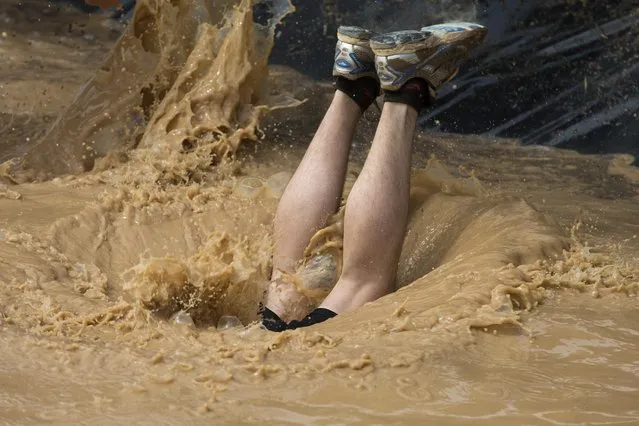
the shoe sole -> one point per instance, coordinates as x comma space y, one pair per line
402, 42
428, 38
354, 35
468, 34
455, 27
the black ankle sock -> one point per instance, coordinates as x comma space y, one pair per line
363, 90
271, 321
317, 316
414, 93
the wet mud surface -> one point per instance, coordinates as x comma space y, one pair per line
134, 218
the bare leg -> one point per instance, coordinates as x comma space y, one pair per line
311, 197
377, 213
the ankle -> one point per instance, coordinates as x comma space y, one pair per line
362, 91
284, 299
414, 93
349, 295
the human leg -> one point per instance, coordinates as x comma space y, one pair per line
411, 65
376, 214
312, 195
315, 190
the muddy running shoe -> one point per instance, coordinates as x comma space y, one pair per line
434, 53
353, 55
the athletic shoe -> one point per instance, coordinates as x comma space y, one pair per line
434, 53
353, 55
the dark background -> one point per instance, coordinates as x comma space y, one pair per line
556, 72
562, 73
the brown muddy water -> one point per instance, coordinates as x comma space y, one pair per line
134, 224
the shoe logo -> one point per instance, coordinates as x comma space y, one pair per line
343, 63
356, 66
386, 77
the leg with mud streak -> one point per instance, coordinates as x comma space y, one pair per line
410, 66
376, 210
311, 197
314, 192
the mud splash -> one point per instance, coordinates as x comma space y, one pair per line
517, 284
159, 79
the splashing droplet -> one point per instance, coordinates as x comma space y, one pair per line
182, 318
249, 187
228, 322
277, 183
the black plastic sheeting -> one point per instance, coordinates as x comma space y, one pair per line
561, 73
